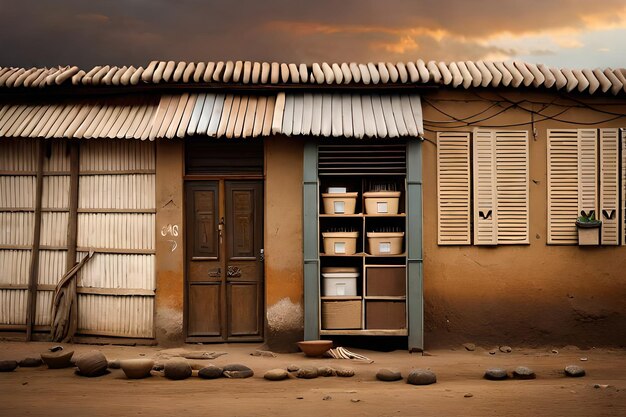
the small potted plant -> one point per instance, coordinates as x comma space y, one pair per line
588, 228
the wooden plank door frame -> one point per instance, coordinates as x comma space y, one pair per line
190, 181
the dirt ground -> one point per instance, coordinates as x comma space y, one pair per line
43, 392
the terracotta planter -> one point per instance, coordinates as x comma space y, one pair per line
58, 360
315, 348
137, 368
588, 233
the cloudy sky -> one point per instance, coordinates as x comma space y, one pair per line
565, 33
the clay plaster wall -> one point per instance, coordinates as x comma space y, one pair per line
524, 294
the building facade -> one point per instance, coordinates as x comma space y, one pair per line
201, 190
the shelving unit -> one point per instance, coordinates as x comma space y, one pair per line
381, 300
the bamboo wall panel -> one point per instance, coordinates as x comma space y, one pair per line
56, 192
107, 270
13, 306
129, 316
116, 230
57, 156
16, 228
116, 192
51, 266
54, 228
18, 155
116, 155
43, 310
17, 191
14, 267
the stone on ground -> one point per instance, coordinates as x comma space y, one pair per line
345, 372
469, 347
496, 374
276, 375
326, 371
388, 375
92, 364
8, 366
177, 370
307, 373
293, 368
574, 371
505, 349
30, 363
237, 370
523, 372
421, 377
210, 372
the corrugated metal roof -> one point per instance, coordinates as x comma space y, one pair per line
218, 115
460, 74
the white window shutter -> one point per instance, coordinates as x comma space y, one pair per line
562, 186
453, 188
588, 172
609, 186
485, 207
511, 159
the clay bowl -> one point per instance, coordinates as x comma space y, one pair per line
57, 360
137, 368
315, 348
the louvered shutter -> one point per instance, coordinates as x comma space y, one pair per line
623, 202
453, 188
609, 186
562, 186
485, 206
511, 148
588, 171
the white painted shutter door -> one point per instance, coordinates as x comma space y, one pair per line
453, 188
609, 186
588, 171
562, 186
511, 159
485, 208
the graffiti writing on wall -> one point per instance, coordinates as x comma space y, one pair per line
170, 230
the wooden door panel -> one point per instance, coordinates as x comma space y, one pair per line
243, 309
205, 271
204, 310
205, 222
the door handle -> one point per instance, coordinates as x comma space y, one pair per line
220, 229
262, 255
215, 273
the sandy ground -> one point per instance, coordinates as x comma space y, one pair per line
43, 392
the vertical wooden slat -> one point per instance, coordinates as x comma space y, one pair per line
72, 232
485, 203
453, 188
562, 169
511, 154
623, 196
34, 265
609, 186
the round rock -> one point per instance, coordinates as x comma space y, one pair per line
177, 370
505, 349
59, 359
30, 363
326, 371
421, 377
307, 373
210, 372
574, 371
524, 372
8, 366
388, 375
496, 374
276, 375
293, 368
469, 347
237, 370
92, 363
345, 372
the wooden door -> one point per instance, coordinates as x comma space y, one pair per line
224, 299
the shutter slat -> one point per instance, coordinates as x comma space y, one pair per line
485, 205
609, 186
588, 171
453, 186
562, 186
623, 202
